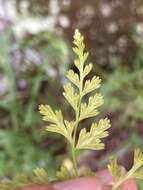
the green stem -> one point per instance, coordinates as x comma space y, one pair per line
73, 146
77, 122
74, 161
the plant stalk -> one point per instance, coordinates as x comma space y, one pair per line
74, 161
77, 112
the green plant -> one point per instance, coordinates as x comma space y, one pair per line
87, 139
39, 176
21, 146
83, 110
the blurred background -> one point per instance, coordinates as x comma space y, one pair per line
35, 52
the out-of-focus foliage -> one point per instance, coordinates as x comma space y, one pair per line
26, 65
39, 176
124, 88
19, 151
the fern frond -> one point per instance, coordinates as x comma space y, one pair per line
49, 115
137, 168
63, 174
71, 96
77, 63
60, 129
73, 77
74, 92
79, 50
135, 172
91, 85
92, 139
87, 172
40, 176
70, 127
87, 69
90, 109
138, 156
56, 120
114, 169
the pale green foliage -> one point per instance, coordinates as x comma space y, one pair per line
91, 85
71, 96
138, 164
64, 173
73, 77
56, 119
92, 139
70, 127
74, 92
39, 176
87, 172
119, 175
138, 157
115, 169
87, 69
90, 109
